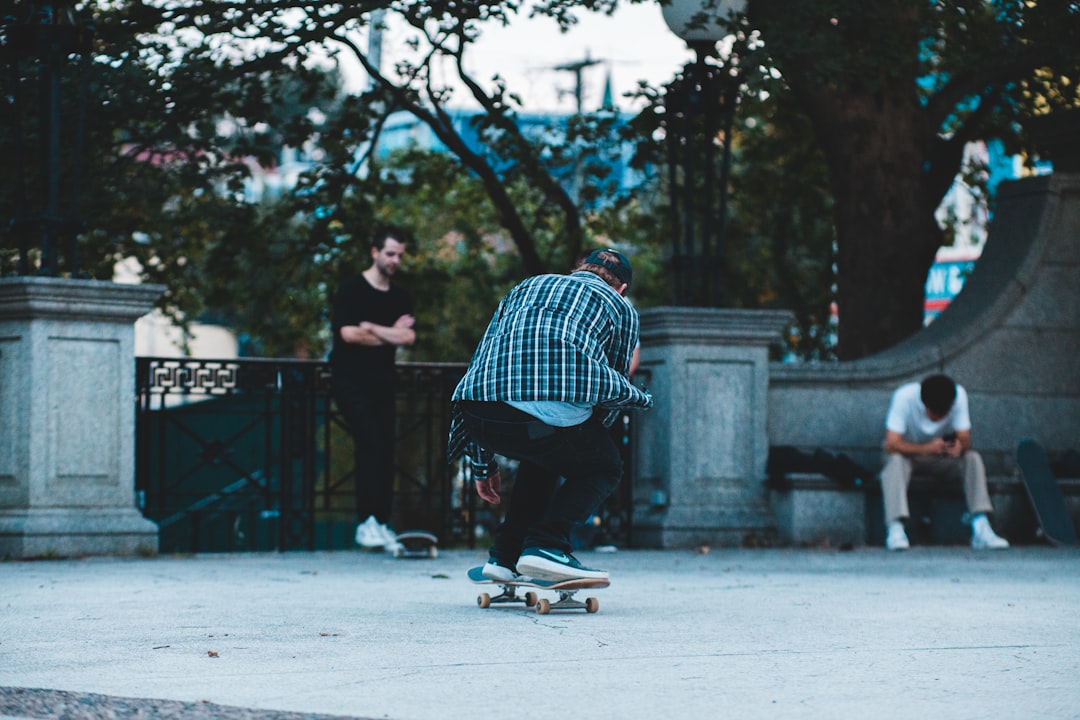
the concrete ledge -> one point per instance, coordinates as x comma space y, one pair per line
75, 532
812, 509
31, 297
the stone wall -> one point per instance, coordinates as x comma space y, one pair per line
1012, 338
67, 418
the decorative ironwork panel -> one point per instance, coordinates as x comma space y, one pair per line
251, 454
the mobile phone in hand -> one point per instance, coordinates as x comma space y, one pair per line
949, 437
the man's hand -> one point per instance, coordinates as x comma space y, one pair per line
405, 321
952, 447
488, 489
895, 443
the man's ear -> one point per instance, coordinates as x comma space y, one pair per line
623, 288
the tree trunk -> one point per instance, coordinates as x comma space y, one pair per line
881, 274
856, 76
885, 227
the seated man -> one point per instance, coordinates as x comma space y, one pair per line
928, 431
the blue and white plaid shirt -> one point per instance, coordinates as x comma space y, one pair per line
553, 337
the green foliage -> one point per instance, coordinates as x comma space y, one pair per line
778, 240
460, 262
780, 237
893, 91
840, 158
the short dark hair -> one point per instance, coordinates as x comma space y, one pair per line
938, 393
388, 232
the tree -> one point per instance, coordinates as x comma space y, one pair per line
156, 191
261, 68
245, 41
778, 239
893, 90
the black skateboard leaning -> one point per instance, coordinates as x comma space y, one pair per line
565, 589
1042, 487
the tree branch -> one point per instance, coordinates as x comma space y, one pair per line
442, 125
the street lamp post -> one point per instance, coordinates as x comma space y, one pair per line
37, 51
697, 478
699, 111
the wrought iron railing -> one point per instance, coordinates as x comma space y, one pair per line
251, 454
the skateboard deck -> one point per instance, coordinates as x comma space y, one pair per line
566, 589
1042, 487
416, 544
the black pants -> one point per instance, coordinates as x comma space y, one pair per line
370, 412
542, 511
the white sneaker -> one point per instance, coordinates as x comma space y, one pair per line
983, 537
389, 537
494, 570
368, 533
896, 538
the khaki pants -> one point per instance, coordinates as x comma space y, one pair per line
896, 476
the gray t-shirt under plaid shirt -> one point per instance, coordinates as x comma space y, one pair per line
554, 337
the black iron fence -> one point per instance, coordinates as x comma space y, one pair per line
250, 455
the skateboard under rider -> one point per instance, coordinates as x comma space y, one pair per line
566, 589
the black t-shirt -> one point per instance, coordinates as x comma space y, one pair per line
357, 301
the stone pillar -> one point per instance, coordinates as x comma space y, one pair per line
700, 453
67, 418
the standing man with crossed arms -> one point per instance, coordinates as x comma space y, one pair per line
372, 318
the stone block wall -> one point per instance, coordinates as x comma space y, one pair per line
1012, 338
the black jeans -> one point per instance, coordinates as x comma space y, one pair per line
542, 511
370, 413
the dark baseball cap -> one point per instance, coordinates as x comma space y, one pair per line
621, 269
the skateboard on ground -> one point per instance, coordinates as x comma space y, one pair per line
566, 590
1050, 510
416, 544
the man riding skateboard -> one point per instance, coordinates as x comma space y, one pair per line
546, 382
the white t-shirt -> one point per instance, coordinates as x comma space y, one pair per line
907, 415
555, 412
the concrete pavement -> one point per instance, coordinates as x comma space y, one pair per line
941, 632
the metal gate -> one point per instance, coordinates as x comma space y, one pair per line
244, 455
251, 455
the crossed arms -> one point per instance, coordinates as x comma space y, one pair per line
373, 335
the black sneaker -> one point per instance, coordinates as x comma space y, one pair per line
499, 572
555, 566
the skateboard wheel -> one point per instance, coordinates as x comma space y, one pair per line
531, 599
543, 607
483, 600
433, 552
591, 605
